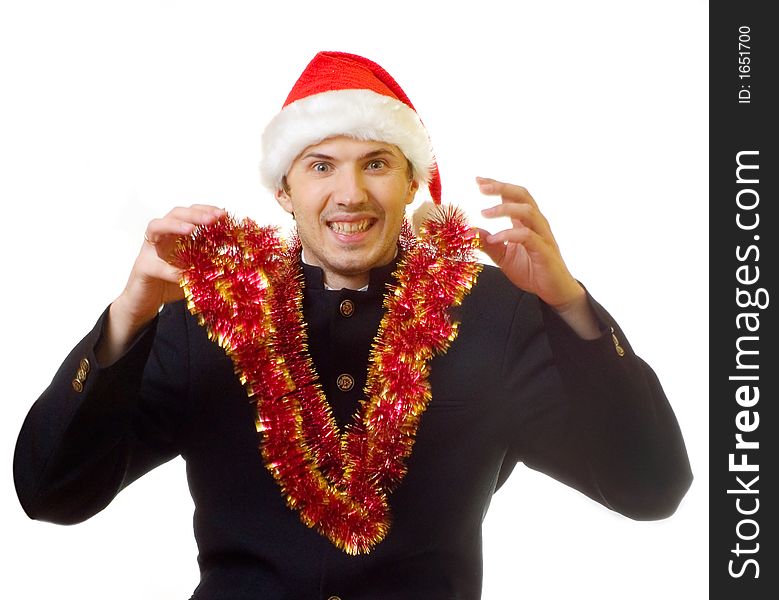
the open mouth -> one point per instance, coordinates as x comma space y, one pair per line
351, 227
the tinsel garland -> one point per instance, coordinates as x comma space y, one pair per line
245, 285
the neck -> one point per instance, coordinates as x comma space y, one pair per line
337, 281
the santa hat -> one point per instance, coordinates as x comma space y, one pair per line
346, 94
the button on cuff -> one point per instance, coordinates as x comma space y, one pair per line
81, 376
617, 347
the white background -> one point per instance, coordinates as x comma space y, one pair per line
113, 112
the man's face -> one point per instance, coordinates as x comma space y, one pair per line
348, 198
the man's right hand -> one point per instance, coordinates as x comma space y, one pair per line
153, 281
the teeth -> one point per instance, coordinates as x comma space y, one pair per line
350, 226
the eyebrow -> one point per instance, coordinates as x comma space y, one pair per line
372, 154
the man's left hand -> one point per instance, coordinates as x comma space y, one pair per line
529, 256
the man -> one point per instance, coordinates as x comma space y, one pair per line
378, 429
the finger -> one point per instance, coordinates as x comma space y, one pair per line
507, 191
521, 214
209, 208
525, 236
199, 214
181, 221
161, 230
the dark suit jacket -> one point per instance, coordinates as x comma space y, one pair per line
516, 385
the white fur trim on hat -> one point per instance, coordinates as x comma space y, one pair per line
357, 113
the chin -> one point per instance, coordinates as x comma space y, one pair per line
352, 267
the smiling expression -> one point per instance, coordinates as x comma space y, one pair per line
348, 198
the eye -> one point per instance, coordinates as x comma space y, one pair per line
375, 165
320, 167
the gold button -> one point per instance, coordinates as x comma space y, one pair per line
77, 385
84, 365
81, 375
347, 308
345, 382
619, 349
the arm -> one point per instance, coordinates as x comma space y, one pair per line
598, 418
605, 426
82, 443
111, 412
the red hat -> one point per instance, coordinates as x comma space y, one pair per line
346, 94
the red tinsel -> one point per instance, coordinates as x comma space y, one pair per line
245, 285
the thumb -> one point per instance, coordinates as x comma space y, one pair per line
495, 250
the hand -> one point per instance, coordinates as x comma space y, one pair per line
528, 255
527, 252
153, 281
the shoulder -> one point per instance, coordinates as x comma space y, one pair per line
495, 307
494, 289
492, 278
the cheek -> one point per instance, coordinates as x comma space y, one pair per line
308, 223
398, 196
306, 211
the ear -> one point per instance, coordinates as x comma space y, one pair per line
282, 197
412, 191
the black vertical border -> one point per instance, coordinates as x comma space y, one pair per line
735, 126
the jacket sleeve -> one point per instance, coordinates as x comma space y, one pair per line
94, 430
597, 418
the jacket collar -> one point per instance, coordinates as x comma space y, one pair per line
379, 277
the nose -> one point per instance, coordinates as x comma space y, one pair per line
349, 187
